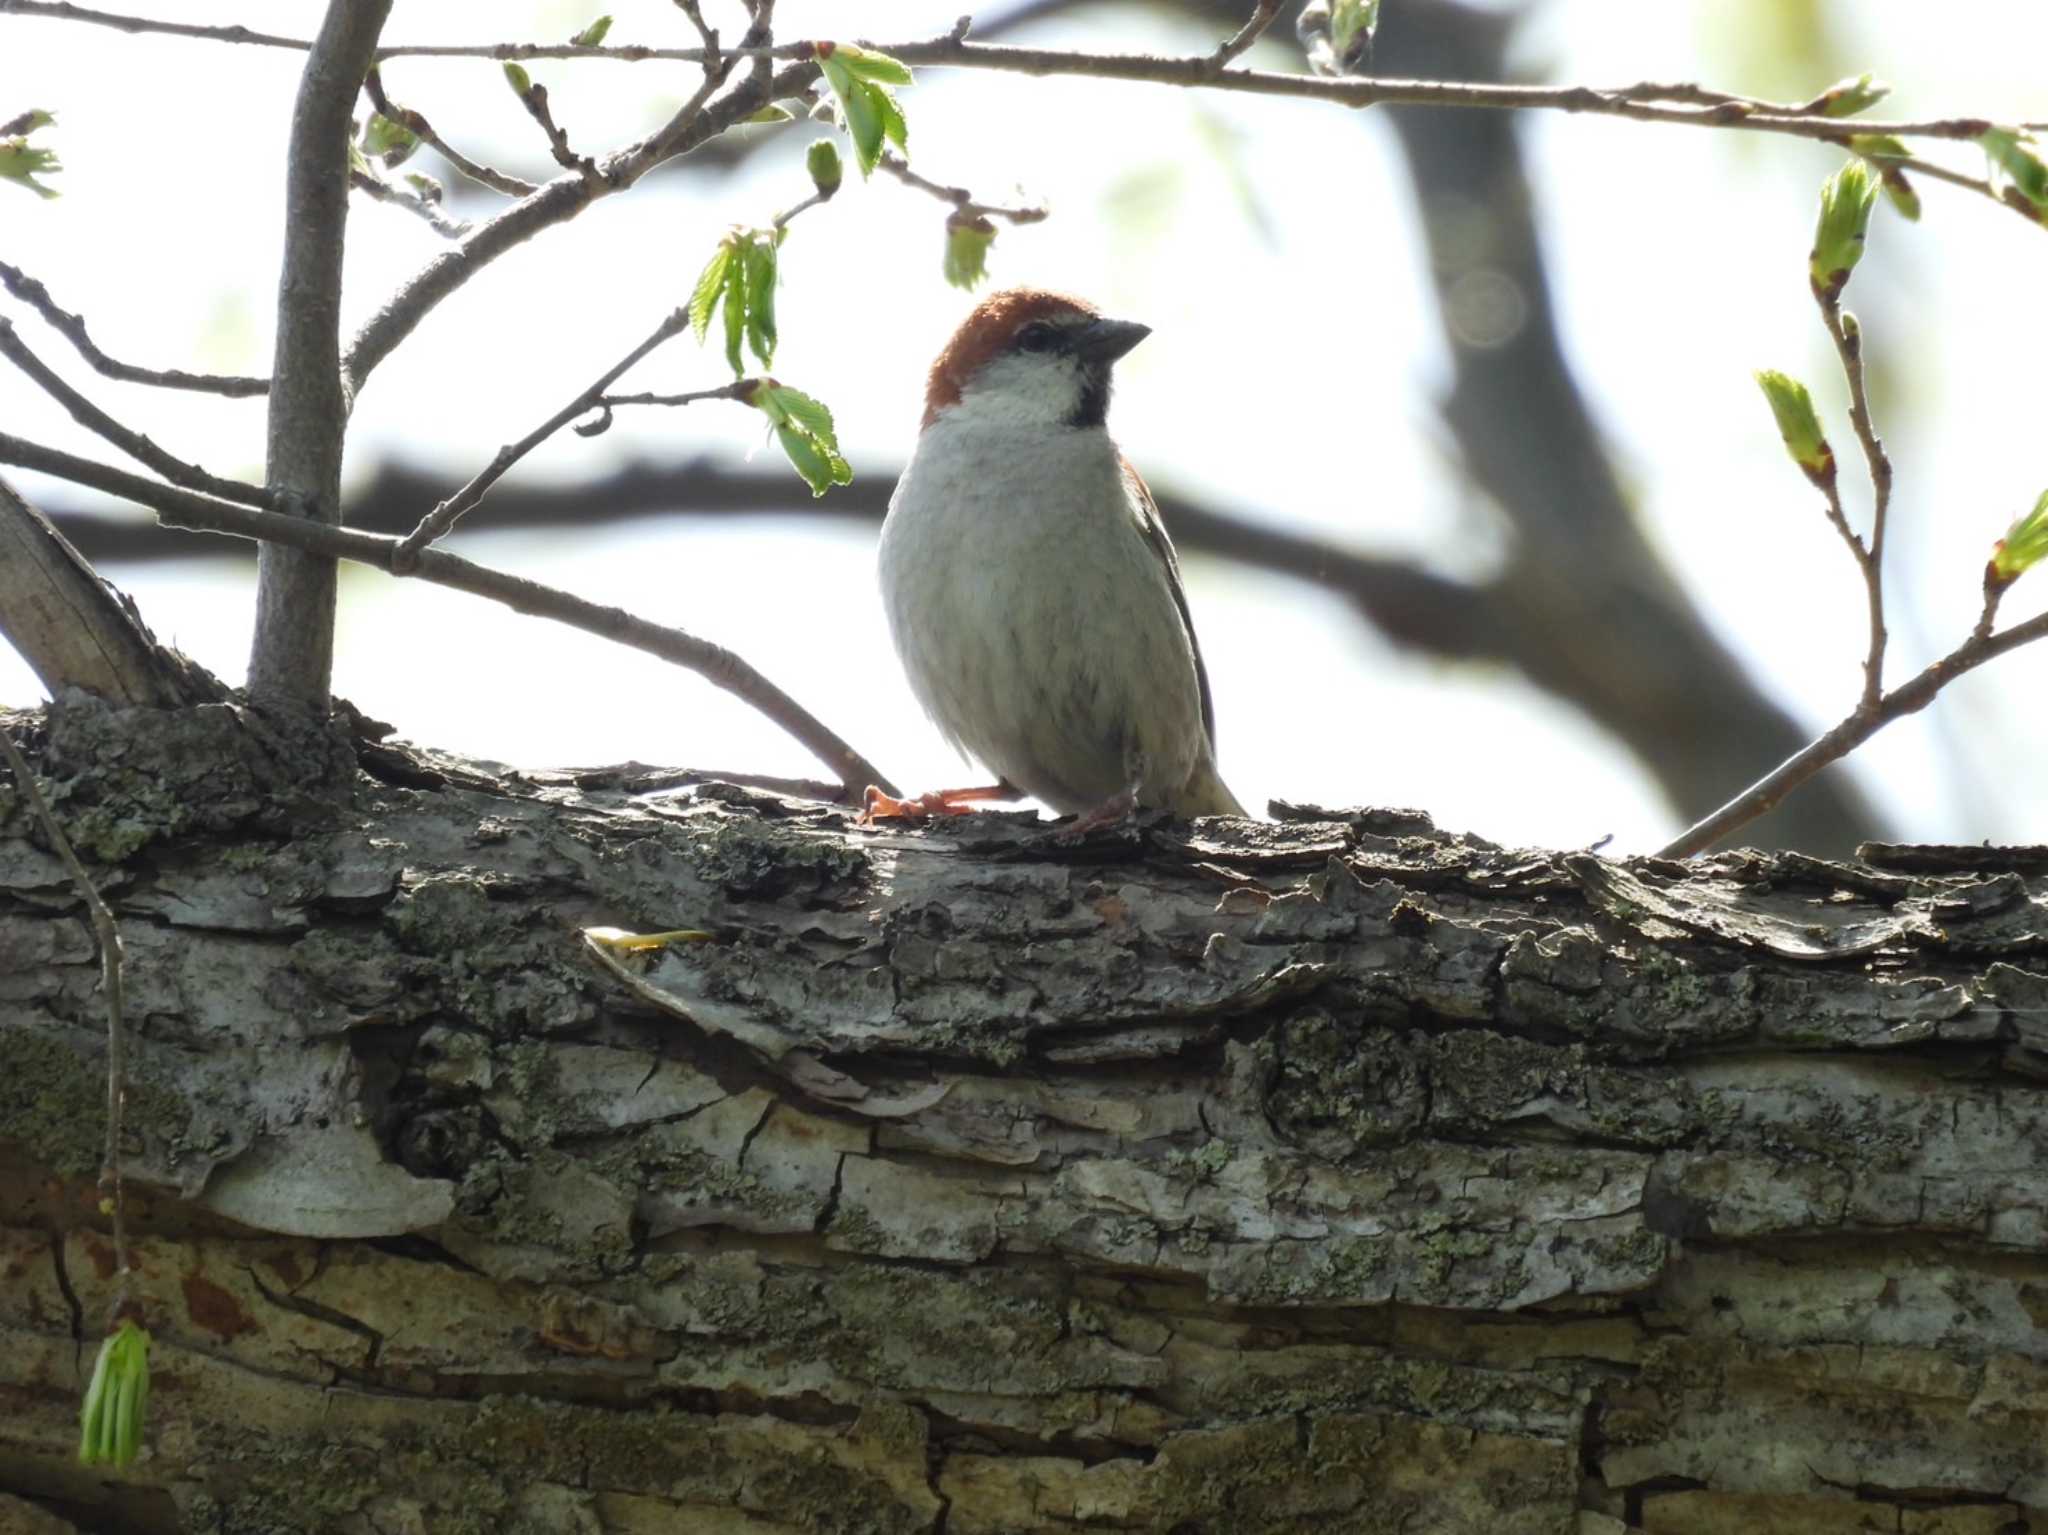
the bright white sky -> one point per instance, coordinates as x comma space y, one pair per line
1290, 376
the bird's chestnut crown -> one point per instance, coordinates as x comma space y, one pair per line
1026, 357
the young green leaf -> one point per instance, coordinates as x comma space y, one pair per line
760, 285
866, 64
735, 313
822, 161
803, 426
520, 81
1845, 98
592, 35
771, 114
710, 283
1798, 425
110, 1422
861, 80
25, 123
22, 162
392, 142
2024, 546
1846, 200
968, 237
1351, 28
2012, 151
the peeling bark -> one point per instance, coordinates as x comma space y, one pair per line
1330, 1173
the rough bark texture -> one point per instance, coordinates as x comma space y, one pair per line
1324, 1174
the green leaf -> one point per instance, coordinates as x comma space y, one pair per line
771, 114
520, 81
22, 162
592, 35
427, 187
822, 161
868, 110
110, 1421
893, 125
26, 123
760, 299
968, 237
1798, 425
820, 467
2012, 151
1845, 98
1900, 193
786, 406
735, 314
390, 141
710, 281
2024, 546
866, 64
1846, 200
1880, 146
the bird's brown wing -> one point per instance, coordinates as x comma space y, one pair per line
1154, 529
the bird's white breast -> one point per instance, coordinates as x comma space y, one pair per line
1038, 627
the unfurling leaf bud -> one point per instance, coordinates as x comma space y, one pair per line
2012, 151
1799, 426
1846, 200
803, 426
592, 35
2025, 545
388, 140
520, 81
110, 1422
822, 161
1845, 98
968, 237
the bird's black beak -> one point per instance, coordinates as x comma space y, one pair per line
1104, 341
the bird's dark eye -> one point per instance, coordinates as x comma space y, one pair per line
1038, 336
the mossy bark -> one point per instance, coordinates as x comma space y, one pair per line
1328, 1173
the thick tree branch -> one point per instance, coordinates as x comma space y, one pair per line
716, 664
291, 655
67, 623
72, 328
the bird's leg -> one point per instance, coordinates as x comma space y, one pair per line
1114, 810
886, 807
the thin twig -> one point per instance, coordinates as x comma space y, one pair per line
738, 389
1848, 338
1859, 726
110, 987
535, 99
959, 197
1264, 13
133, 443
426, 208
416, 124
72, 328
179, 508
443, 517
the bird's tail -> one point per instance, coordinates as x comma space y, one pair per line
1207, 794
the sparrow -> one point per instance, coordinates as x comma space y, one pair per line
1032, 592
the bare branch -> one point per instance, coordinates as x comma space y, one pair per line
414, 203
535, 99
133, 443
110, 988
1848, 338
555, 203
292, 652
72, 328
1264, 13
416, 124
59, 11
959, 197
187, 509
443, 517
1908, 698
